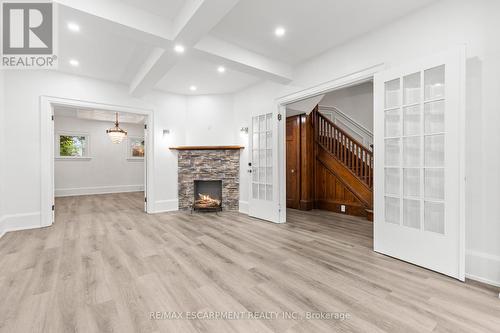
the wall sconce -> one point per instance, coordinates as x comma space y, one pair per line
244, 130
166, 132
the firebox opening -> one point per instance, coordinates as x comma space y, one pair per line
207, 195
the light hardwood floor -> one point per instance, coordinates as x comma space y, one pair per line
105, 266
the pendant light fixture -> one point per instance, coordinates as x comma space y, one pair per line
116, 134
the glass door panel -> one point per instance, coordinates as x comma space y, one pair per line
411, 185
392, 181
434, 184
411, 116
414, 150
392, 92
392, 152
262, 156
434, 150
434, 117
411, 151
434, 217
392, 123
411, 213
434, 83
392, 211
411, 89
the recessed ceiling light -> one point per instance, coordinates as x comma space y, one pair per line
73, 27
280, 31
193, 88
221, 69
179, 48
74, 62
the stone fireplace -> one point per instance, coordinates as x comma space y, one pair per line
209, 164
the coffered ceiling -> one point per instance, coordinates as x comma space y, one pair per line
132, 41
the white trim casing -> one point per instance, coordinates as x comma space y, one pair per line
482, 267
243, 207
164, 206
347, 80
16, 222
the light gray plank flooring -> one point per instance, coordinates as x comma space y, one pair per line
105, 266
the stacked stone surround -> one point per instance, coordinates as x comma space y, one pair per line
209, 165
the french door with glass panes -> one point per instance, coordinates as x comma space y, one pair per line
419, 181
263, 202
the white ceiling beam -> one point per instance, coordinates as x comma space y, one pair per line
152, 71
198, 17
194, 21
244, 60
136, 21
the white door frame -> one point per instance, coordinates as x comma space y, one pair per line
351, 79
47, 104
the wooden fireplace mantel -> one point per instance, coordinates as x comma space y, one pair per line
207, 148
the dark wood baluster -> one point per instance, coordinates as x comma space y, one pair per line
365, 164
349, 147
332, 130
357, 161
344, 139
349, 154
327, 137
323, 132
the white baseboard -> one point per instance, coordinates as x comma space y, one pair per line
243, 207
482, 267
163, 206
2, 229
18, 222
69, 192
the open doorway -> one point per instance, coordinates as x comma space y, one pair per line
79, 158
91, 165
329, 152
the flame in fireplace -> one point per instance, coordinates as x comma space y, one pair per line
205, 201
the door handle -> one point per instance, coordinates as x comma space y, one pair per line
293, 170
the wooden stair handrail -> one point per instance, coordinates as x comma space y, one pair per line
349, 151
338, 128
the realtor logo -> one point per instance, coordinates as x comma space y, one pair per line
28, 35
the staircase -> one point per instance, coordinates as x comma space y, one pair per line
343, 169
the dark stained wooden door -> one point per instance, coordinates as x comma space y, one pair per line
293, 162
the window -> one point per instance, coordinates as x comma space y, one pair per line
72, 146
135, 148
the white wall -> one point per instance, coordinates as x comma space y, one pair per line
108, 170
210, 120
304, 106
433, 29
356, 102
